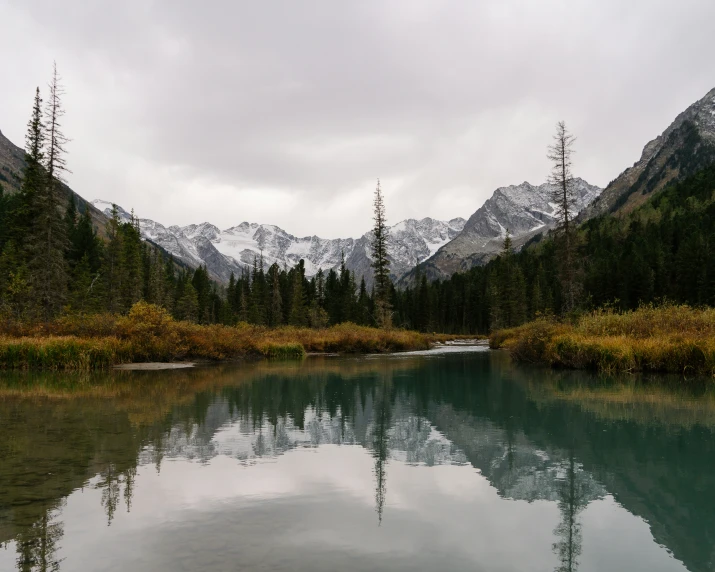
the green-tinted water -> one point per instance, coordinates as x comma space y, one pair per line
451, 462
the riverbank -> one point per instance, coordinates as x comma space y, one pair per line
669, 339
149, 334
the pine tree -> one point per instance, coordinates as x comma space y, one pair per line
423, 305
48, 240
132, 268
33, 177
298, 313
564, 196
363, 304
381, 261
275, 314
187, 306
113, 262
202, 284
256, 299
83, 295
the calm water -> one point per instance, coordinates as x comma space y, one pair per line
458, 461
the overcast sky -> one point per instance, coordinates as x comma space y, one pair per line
287, 112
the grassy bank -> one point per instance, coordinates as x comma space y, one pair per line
149, 333
673, 339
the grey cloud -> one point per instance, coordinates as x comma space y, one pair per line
317, 99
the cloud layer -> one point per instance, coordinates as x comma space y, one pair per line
286, 112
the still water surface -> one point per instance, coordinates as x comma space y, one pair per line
457, 461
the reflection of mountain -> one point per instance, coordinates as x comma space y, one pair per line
472, 410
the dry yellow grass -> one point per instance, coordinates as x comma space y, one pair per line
675, 339
149, 333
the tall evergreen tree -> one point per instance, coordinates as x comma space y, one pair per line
564, 196
275, 314
298, 309
381, 261
113, 262
48, 240
33, 176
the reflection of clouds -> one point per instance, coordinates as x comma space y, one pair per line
515, 467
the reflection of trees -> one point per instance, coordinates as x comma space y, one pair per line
37, 544
380, 450
571, 501
110, 483
432, 412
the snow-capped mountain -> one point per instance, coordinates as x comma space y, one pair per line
231, 250
524, 210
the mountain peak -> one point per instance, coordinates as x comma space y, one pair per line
685, 147
524, 210
235, 248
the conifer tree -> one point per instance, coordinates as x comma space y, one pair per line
363, 304
381, 261
275, 315
202, 284
298, 312
187, 306
85, 242
132, 267
564, 196
48, 240
256, 306
33, 176
320, 287
113, 262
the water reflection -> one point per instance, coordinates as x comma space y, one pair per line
565, 439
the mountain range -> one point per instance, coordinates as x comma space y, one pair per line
234, 249
439, 247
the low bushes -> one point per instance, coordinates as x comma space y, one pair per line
149, 333
675, 339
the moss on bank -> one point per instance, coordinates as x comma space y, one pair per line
672, 339
149, 333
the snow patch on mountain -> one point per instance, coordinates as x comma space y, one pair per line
234, 249
524, 210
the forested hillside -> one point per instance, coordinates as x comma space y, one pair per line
660, 250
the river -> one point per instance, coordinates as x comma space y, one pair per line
452, 459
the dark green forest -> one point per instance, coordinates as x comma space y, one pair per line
54, 261
660, 251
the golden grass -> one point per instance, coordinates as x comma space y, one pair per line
149, 333
674, 339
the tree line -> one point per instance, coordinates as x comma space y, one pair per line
661, 251
53, 261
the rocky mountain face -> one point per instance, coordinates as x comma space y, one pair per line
685, 147
524, 210
234, 249
12, 164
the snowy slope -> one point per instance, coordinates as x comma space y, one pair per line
524, 210
231, 250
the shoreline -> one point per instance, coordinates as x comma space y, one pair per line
666, 339
141, 347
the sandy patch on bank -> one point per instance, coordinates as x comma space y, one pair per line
153, 366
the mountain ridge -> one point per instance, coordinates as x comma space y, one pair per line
525, 210
234, 249
686, 146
